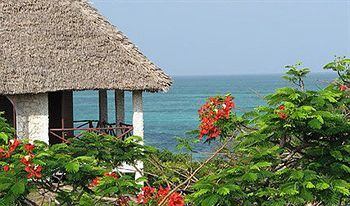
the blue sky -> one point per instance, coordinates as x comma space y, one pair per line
219, 37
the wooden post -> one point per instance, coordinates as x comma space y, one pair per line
119, 106
103, 106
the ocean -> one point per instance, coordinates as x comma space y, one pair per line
172, 114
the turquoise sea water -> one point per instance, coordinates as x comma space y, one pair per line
171, 114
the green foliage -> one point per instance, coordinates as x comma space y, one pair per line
67, 169
296, 75
291, 159
293, 151
341, 65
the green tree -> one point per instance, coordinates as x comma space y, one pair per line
293, 151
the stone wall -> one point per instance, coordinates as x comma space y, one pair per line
32, 116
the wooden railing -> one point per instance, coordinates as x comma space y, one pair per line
121, 130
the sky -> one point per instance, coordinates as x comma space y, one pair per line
221, 37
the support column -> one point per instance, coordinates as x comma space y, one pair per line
138, 124
137, 119
103, 106
119, 106
32, 117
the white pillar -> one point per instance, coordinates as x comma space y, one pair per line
137, 119
138, 124
32, 116
103, 105
119, 106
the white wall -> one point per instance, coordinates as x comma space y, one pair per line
32, 116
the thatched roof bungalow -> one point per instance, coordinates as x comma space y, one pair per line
50, 48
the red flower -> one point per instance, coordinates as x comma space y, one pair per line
95, 182
14, 144
176, 200
282, 107
162, 192
145, 195
7, 154
141, 198
211, 112
282, 116
33, 171
150, 194
343, 87
6, 168
29, 148
111, 174
26, 160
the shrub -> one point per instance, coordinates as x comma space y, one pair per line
66, 173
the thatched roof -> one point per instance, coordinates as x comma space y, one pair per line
53, 45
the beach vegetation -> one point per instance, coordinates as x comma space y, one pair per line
294, 150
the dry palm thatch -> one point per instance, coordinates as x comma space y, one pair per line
53, 45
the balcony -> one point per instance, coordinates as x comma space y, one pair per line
121, 130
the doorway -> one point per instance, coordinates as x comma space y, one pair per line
7, 106
60, 112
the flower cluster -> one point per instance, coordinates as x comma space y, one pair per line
281, 113
32, 170
29, 148
149, 194
146, 194
13, 143
6, 168
211, 112
176, 200
97, 180
343, 87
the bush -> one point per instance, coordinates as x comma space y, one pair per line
70, 174
82, 172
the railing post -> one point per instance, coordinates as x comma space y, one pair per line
62, 127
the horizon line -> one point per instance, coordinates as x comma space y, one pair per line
244, 74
